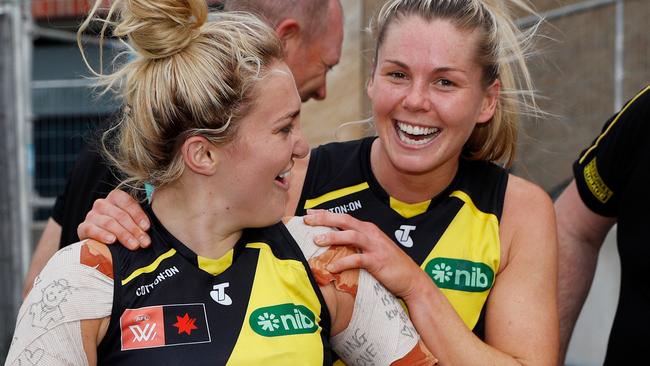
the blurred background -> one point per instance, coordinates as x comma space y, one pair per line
591, 57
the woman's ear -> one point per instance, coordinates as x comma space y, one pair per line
200, 155
490, 102
370, 85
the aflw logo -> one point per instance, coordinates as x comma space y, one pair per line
459, 274
148, 333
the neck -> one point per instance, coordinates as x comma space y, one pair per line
410, 187
195, 216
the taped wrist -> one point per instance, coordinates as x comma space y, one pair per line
379, 332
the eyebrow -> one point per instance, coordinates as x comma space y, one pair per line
290, 115
437, 69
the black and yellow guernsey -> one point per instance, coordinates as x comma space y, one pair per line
256, 305
453, 236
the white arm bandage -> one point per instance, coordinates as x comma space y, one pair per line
48, 330
380, 332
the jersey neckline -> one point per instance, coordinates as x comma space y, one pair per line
210, 266
381, 193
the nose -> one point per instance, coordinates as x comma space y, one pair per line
321, 92
417, 98
301, 146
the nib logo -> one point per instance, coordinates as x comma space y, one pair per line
281, 320
441, 272
403, 235
459, 274
269, 323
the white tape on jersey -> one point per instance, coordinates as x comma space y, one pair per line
48, 330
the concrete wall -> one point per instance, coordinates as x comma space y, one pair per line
345, 86
575, 76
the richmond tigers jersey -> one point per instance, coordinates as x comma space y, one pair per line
256, 305
453, 236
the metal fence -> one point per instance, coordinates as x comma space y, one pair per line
14, 141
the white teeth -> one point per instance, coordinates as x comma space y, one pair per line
416, 130
409, 141
284, 175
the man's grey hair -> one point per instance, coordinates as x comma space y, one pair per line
311, 14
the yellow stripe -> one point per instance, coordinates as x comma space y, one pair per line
468, 200
335, 194
258, 246
602, 135
408, 210
216, 266
267, 248
150, 268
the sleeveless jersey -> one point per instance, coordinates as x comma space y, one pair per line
256, 305
454, 237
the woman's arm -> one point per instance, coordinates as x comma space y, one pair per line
521, 318
52, 328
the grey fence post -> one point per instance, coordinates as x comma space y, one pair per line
15, 137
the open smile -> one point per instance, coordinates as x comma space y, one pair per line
414, 135
283, 178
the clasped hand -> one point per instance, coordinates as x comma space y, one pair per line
377, 253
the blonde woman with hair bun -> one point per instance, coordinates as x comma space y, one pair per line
211, 120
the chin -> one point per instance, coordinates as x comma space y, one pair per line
269, 215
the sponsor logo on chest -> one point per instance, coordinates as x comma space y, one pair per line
403, 235
283, 320
219, 295
346, 207
459, 274
162, 276
164, 325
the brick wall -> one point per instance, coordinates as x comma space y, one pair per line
53, 9
62, 8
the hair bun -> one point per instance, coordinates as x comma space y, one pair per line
161, 28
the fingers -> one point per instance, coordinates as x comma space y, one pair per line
352, 261
128, 204
87, 230
326, 218
107, 222
347, 237
104, 227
